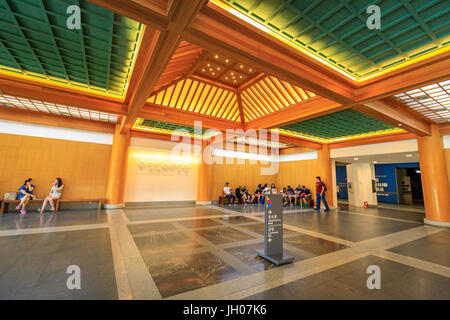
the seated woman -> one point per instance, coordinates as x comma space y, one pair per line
25, 195
240, 194
246, 193
257, 193
285, 196
55, 194
273, 189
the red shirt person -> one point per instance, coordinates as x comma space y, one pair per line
320, 194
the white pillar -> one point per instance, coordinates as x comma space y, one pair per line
360, 176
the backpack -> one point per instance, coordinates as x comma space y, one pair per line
325, 190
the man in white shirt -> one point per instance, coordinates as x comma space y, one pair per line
228, 193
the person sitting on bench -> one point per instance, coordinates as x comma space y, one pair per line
55, 194
25, 195
305, 195
247, 194
297, 192
240, 194
285, 196
228, 193
257, 193
290, 195
273, 189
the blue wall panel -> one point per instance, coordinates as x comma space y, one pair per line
386, 182
341, 180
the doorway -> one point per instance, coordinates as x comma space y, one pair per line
409, 185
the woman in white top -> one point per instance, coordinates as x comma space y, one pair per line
55, 194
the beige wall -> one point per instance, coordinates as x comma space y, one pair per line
153, 176
83, 166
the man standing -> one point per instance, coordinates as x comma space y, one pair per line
320, 194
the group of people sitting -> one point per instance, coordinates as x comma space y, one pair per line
26, 194
299, 195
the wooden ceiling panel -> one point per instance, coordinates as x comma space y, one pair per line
183, 59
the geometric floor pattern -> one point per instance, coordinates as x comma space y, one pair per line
189, 252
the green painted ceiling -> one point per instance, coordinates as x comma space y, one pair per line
335, 30
339, 124
164, 125
35, 40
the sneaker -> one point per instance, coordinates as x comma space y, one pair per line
327, 210
23, 211
18, 207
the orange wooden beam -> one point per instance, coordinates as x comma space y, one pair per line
157, 136
426, 72
50, 93
307, 109
165, 44
142, 11
380, 139
55, 120
396, 114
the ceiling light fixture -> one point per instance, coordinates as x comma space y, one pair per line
355, 158
409, 155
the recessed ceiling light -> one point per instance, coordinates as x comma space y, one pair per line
216, 56
218, 68
250, 70
409, 155
203, 70
399, 124
375, 162
241, 66
226, 78
213, 73
208, 65
232, 73
227, 61
355, 158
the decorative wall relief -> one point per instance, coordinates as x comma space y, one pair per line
156, 168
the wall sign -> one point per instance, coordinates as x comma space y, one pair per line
162, 168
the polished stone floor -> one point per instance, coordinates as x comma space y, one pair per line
190, 252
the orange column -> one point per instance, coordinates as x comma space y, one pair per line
435, 183
324, 171
115, 189
204, 180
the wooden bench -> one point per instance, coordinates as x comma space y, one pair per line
5, 203
99, 201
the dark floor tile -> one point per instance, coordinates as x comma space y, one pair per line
148, 228
41, 261
434, 248
174, 274
248, 255
200, 223
313, 245
13, 221
165, 212
349, 281
166, 242
223, 235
